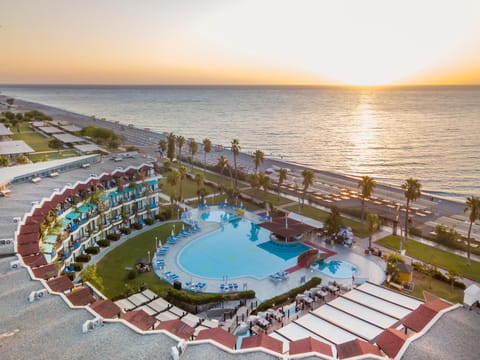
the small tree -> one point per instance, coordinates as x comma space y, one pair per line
4, 161
282, 176
193, 147
171, 140
180, 142
90, 274
334, 222
55, 144
372, 224
453, 274
392, 265
22, 159
207, 147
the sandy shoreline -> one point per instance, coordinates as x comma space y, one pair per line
147, 141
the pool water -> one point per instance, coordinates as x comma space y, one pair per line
237, 249
217, 216
337, 268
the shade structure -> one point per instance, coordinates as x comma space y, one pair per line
60, 284
264, 341
286, 228
81, 297
219, 335
177, 327
309, 345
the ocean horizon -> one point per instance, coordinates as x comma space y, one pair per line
390, 133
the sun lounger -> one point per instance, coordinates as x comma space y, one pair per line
159, 305
149, 294
174, 277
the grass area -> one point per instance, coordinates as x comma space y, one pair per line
53, 155
189, 188
265, 196
113, 268
320, 215
440, 258
36, 141
437, 287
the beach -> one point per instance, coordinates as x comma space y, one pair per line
338, 189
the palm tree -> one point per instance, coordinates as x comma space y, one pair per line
173, 177
207, 147
372, 224
258, 159
171, 139
163, 145
282, 176
308, 177
223, 164
367, 184
411, 187
199, 180
265, 182
254, 181
334, 223
472, 205
182, 174
180, 143
193, 147
235, 151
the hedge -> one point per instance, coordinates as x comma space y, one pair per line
178, 297
137, 226
103, 243
83, 258
77, 266
288, 296
125, 231
92, 250
433, 272
148, 221
70, 275
113, 236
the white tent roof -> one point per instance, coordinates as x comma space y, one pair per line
471, 295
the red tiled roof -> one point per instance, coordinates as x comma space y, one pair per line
420, 317
81, 187
264, 341
106, 177
34, 260
294, 228
45, 272
355, 348
391, 341
68, 192
177, 327
140, 319
219, 335
23, 239
30, 228
28, 249
131, 171
310, 344
40, 212
32, 219
47, 205
106, 308
81, 297
437, 304
58, 198
60, 284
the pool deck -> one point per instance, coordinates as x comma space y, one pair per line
367, 269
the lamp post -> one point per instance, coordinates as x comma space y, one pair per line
148, 252
156, 242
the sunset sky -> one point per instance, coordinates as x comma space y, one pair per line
357, 42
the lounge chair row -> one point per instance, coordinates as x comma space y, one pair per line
281, 275
229, 287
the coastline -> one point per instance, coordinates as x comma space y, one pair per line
147, 141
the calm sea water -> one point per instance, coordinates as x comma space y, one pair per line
430, 133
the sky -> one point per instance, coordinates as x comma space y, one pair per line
314, 42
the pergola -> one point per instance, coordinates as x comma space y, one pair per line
287, 229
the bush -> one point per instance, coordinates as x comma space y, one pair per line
415, 231
148, 221
125, 231
83, 258
132, 274
288, 296
179, 297
137, 226
459, 284
103, 243
113, 237
92, 250
77, 266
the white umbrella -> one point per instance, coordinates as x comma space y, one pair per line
173, 232
183, 226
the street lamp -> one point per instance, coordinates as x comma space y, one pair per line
156, 242
148, 252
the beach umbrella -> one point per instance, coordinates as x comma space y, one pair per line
183, 226
173, 232
241, 204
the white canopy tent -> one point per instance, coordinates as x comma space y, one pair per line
471, 295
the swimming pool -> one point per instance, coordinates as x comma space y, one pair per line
217, 216
239, 248
337, 268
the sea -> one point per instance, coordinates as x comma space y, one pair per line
429, 133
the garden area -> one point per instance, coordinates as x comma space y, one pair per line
437, 257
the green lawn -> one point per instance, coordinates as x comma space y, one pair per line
53, 155
189, 188
320, 215
265, 196
440, 258
437, 287
36, 141
113, 268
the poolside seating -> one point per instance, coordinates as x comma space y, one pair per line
200, 286
160, 263
222, 287
172, 240
174, 277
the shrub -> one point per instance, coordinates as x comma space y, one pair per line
288, 296
137, 226
125, 231
113, 237
92, 250
149, 221
459, 285
415, 231
103, 243
83, 258
77, 266
132, 274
